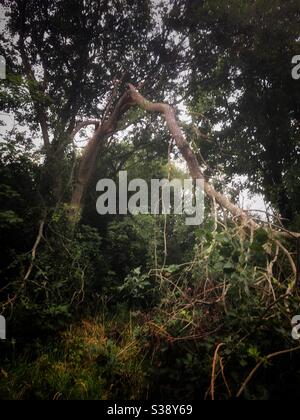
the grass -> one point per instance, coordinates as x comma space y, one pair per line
90, 361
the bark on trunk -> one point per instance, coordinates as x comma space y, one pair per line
86, 168
91, 153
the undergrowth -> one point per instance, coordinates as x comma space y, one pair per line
216, 327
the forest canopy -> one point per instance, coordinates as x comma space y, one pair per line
144, 306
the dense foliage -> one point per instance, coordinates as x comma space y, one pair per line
145, 307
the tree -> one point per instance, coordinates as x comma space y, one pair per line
241, 80
72, 67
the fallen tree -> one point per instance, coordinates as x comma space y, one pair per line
132, 97
108, 126
105, 129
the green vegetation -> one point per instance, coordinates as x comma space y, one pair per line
146, 307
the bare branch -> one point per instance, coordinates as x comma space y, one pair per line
194, 168
267, 358
83, 124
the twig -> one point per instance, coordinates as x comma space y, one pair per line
293, 266
224, 377
12, 300
83, 124
213, 374
34, 249
253, 371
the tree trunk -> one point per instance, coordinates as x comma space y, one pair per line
91, 153
87, 166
